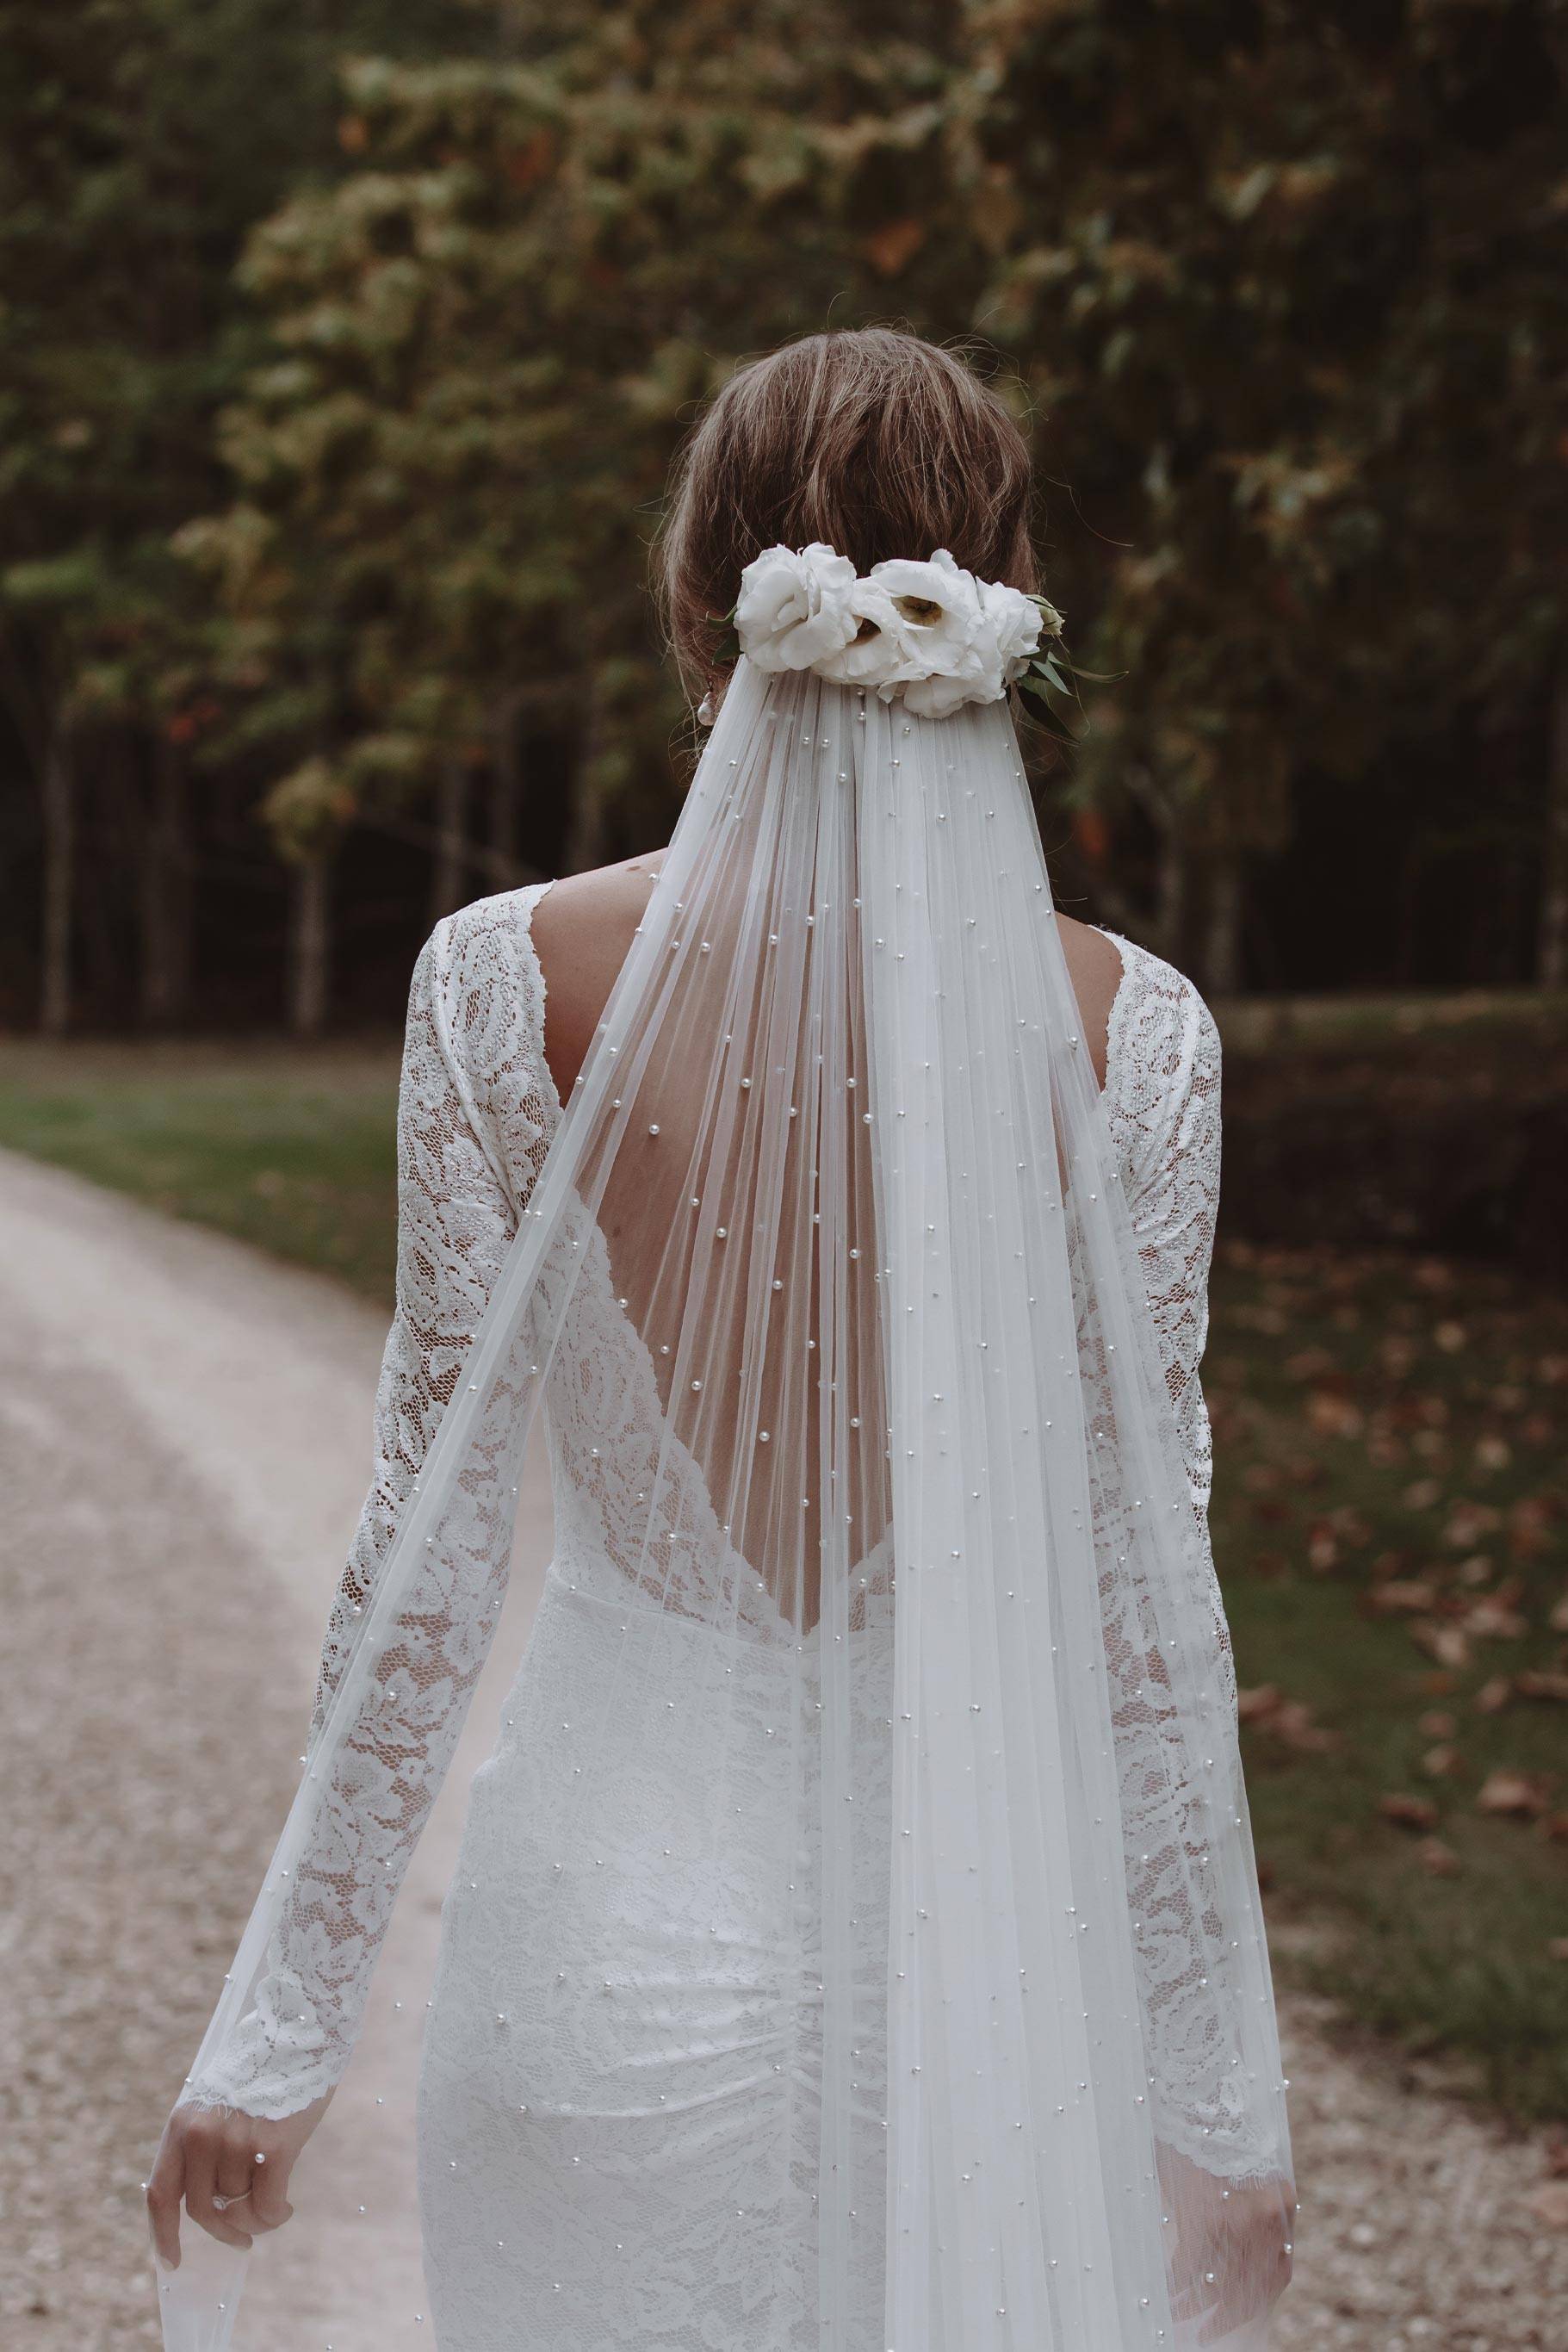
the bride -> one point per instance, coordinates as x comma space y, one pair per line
855, 1940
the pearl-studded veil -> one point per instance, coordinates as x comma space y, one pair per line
906, 1632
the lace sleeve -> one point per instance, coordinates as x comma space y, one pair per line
1162, 1106
472, 1121
1163, 1097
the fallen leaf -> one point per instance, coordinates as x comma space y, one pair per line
1334, 1416
1518, 1795
1437, 1860
1409, 1812
1438, 1723
1531, 1525
1491, 1621
1401, 1595
1293, 1723
1449, 1644
1542, 1682
1468, 1520
1493, 1694
1441, 1761
1289, 1721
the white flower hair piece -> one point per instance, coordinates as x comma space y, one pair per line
930, 631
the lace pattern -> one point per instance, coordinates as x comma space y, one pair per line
475, 1112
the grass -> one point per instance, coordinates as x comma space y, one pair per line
1390, 1021
1390, 1518
290, 1150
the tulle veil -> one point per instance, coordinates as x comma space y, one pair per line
914, 1541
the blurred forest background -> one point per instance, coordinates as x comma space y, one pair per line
344, 345
343, 349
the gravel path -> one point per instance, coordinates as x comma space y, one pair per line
183, 1441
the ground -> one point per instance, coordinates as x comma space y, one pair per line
185, 1431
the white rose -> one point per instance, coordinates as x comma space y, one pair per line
795, 608
939, 697
1016, 619
939, 605
953, 641
880, 652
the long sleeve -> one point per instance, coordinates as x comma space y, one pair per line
1163, 1080
475, 1106
1162, 1106
1164, 1101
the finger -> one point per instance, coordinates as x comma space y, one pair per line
233, 2172
165, 2190
201, 2180
269, 2207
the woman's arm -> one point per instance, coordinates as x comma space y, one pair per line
458, 1210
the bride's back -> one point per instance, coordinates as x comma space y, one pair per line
584, 925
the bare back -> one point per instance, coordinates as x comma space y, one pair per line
582, 929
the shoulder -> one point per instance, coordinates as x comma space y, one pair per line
582, 932
1163, 1076
478, 995
524, 975
484, 932
1159, 1016
1095, 970
583, 925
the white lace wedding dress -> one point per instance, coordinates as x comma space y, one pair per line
616, 2129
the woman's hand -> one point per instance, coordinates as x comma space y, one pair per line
1232, 2259
230, 2172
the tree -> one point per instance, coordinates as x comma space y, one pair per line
1279, 282
140, 140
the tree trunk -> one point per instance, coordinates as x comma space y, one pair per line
1175, 874
448, 878
310, 947
59, 889
1551, 955
1173, 871
166, 896
1222, 941
585, 832
506, 792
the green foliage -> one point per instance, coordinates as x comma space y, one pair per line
339, 394
1279, 284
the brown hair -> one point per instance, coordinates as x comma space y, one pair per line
871, 439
